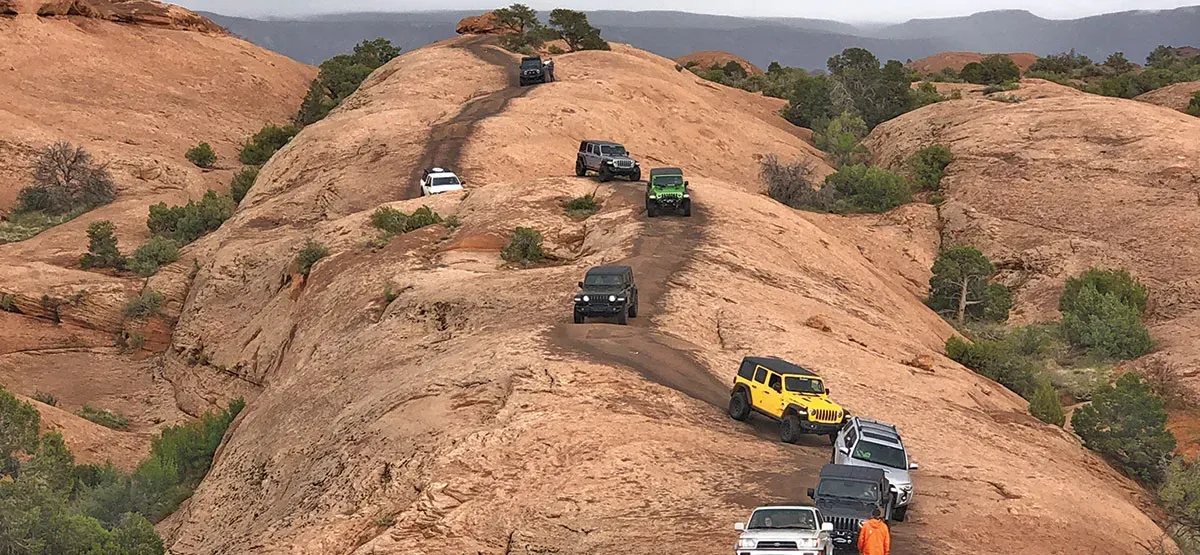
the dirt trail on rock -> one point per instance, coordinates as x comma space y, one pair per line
446, 139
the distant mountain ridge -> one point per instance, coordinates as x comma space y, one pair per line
806, 43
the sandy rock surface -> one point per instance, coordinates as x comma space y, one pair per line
706, 58
467, 415
958, 60
136, 96
1052, 186
1176, 97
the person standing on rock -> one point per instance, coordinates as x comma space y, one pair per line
874, 538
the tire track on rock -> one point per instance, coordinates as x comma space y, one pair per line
444, 145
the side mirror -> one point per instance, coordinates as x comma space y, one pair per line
913, 466
812, 493
826, 526
828, 391
685, 183
581, 285
740, 526
844, 450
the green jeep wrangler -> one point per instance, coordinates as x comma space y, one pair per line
667, 191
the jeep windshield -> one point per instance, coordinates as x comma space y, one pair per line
885, 455
602, 280
612, 150
530, 64
811, 386
436, 181
668, 181
795, 519
848, 489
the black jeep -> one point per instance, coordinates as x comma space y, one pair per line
607, 159
607, 291
534, 70
847, 495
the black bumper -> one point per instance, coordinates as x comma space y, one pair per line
668, 202
819, 428
613, 170
593, 309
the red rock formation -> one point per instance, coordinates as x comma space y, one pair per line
141, 12
485, 24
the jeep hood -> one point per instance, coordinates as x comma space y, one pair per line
600, 290
845, 507
815, 402
669, 189
779, 535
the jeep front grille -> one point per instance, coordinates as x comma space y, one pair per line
623, 163
776, 545
825, 415
844, 523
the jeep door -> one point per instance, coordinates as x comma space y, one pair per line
591, 159
772, 396
845, 445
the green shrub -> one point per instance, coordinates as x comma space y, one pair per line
581, 207
792, 185
992, 70
1127, 424
842, 138
264, 144
389, 220
45, 398
192, 221
1000, 361
153, 254
145, 304
928, 165
926, 94
340, 76
573, 28
1001, 87
1120, 283
1102, 324
201, 155
19, 434
422, 217
242, 182
861, 188
452, 221
104, 418
1193, 107
309, 255
525, 246
1049, 76
1180, 492
554, 50
389, 292
1046, 406
102, 247
1007, 98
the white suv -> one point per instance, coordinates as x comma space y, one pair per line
866, 442
784, 530
438, 180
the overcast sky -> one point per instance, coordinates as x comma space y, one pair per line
850, 11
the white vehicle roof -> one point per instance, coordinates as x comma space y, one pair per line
443, 174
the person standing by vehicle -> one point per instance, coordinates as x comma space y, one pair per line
874, 538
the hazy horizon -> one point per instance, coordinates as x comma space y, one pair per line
863, 11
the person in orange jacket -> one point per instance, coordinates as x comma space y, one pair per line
874, 537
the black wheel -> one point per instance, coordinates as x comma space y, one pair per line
580, 171
739, 406
687, 208
633, 308
604, 175
833, 439
789, 428
898, 513
636, 177
623, 317
651, 208
578, 317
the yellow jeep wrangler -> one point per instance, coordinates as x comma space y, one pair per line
794, 396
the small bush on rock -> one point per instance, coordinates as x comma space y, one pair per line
201, 155
1001, 361
153, 254
66, 179
861, 188
45, 398
264, 144
928, 166
145, 304
102, 247
525, 246
422, 217
390, 220
1193, 107
104, 418
1046, 406
187, 223
242, 182
309, 255
792, 185
581, 207
1127, 424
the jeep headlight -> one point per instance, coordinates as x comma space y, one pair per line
609, 162
685, 195
653, 196
621, 299
585, 298
746, 543
612, 298
577, 299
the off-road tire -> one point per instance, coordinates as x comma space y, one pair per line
604, 174
833, 439
578, 318
623, 317
633, 308
789, 428
580, 169
900, 513
651, 208
687, 208
636, 177
739, 406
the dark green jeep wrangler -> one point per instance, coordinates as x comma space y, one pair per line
667, 191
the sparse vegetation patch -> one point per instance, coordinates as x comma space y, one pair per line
105, 418
202, 155
524, 247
